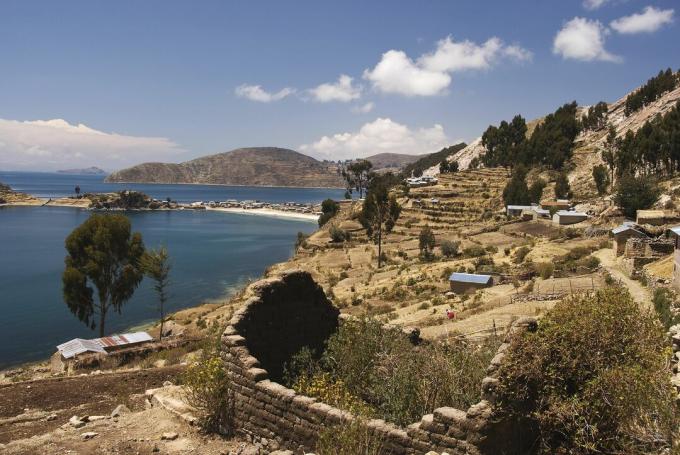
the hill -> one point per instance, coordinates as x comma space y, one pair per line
432, 160
391, 161
254, 166
93, 170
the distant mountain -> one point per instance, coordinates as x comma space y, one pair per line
391, 161
256, 166
85, 171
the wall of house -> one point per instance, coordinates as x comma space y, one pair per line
263, 408
460, 287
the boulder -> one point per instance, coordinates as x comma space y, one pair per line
120, 409
170, 436
76, 422
89, 435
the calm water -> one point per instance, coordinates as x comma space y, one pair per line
59, 185
213, 255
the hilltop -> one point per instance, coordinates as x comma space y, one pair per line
392, 161
92, 170
254, 166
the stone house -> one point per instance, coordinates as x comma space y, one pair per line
623, 233
463, 283
653, 217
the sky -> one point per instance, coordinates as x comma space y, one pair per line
112, 84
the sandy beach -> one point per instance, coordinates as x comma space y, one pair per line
268, 212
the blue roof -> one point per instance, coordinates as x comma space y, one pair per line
470, 278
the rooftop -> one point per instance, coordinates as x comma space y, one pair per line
78, 345
470, 278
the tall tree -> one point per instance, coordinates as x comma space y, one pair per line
102, 254
358, 175
156, 265
426, 242
562, 188
609, 151
635, 193
601, 178
516, 190
379, 213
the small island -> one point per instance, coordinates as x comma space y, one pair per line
92, 170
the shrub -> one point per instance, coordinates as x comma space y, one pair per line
351, 438
592, 378
450, 248
329, 208
544, 269
521, 254
301, 240
662, 305
474, 251
426, 242
207, 390
338, 235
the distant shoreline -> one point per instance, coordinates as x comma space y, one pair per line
230, 184
267, 212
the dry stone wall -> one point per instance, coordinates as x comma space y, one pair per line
292, 311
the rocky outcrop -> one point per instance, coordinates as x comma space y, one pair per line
291, 311
256, 166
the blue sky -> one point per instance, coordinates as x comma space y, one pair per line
116, 83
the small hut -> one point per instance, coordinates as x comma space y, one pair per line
463, 283
622, 234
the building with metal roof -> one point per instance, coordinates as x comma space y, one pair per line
103, 345
462, 283
624, 232
569, 217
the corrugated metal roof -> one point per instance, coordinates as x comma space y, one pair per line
519, 207
570, 213
78, 345
623, 228
675, 230
470, 278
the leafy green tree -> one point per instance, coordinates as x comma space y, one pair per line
635, 193
453, 166
444, 167
102, 254
536, 190
601, 178
596, 117
358, 175
516, 191
329, 208
379, 213
156, 265
655, 87
552, 141
562, 188
426, 242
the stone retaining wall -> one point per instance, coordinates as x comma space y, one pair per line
292, 311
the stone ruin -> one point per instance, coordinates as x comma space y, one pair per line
642, 251
291, 311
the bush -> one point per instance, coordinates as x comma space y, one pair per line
592, 378
301, 240
392, 378
635, 193
338, 235
352, 438
207, 390
329, 208
521, 254
662, 305
544, 269
474, 251
450, 248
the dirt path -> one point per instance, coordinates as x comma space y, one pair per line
640, 293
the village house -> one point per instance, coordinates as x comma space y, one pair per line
563, 217
516, 210
624, 232
463, 283
558, 204
69, 351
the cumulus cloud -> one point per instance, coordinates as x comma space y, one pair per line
342, 91
57, 144
257, 93
430, 74
594, 4
583, 39
381, 135
649, 20
364, 108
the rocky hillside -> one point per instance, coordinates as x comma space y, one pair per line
588, 144
256, 166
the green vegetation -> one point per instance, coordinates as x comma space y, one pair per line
301, 240
416, 168
562, 188
156, 265
516, 191
652, 150
207, 390
426, 243
596, 117
379, 213
450, 248
521, 254
536, 190
338, 235
601, 178
329, 208
635, 193
394, 379
593, 378
352, 438
358, 176
504, 143
655, 87
445, 167
102, 254
663, 303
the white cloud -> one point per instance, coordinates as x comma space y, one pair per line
57, 144
257, 93
381, 135
583, 39
364, 108
594, 4
342, 91
649, 20
431, 73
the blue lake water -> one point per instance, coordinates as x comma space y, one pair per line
213, 255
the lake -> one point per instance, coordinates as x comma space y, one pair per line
213, 255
